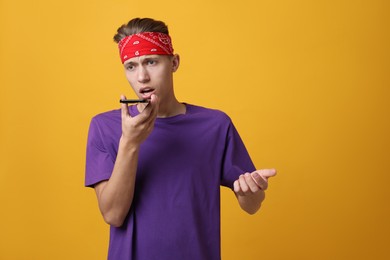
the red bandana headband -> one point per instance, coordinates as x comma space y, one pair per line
146, 43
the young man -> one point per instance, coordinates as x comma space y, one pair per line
157, 167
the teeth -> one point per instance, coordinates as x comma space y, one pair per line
146, 90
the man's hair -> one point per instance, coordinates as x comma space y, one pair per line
140, 25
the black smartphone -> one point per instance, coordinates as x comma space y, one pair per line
132, 101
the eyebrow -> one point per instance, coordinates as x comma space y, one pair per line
129, 63
154, 57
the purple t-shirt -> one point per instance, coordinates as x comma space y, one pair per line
175, 213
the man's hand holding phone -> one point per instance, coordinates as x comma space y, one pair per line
136, 129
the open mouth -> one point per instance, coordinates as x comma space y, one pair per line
146, 92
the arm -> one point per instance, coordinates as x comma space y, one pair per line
115, 195
249, 189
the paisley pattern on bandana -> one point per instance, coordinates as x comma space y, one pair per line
146, 43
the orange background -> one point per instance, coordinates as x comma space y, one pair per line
305, 82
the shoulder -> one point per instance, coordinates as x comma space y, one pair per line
105, 128
208, 113
107, 117
106, 122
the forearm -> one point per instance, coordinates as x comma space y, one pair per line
251, 203
116, 196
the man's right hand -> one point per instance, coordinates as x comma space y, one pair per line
115, 195
136, 129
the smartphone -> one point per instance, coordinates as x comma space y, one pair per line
132, 101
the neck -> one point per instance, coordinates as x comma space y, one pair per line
167, 108
173, 108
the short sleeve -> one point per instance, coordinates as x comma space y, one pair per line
99, 163
236, 159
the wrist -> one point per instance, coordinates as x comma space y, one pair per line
128, 144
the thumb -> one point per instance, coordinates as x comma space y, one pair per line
153, 105
155, 100
266, 173
124, 107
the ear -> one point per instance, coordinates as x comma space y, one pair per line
175, 62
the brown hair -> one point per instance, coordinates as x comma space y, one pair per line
139, 25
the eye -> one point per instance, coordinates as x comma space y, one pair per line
151, 62
129, 67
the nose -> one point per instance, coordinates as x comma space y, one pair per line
143, 75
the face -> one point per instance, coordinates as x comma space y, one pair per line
152, 74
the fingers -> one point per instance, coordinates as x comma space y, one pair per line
250, 182
124, 108
261, 177
261, 182
245, 185
150, 111
237, 188
153, 105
